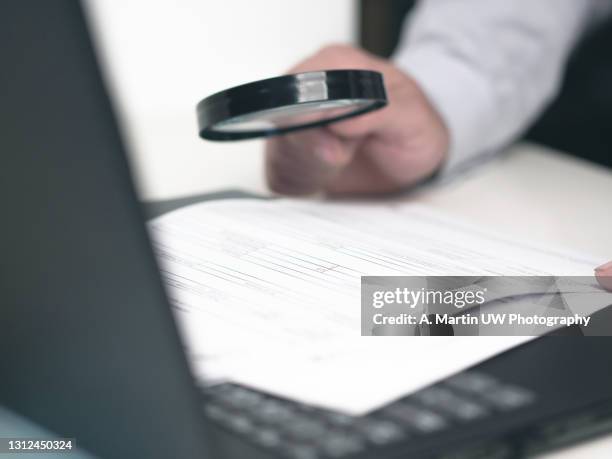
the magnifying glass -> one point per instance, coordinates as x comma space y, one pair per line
289, 103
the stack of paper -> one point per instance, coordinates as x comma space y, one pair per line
267, 293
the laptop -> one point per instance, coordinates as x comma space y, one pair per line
88, 345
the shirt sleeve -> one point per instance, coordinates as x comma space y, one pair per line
490, 66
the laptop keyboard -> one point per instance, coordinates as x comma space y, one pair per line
299, 431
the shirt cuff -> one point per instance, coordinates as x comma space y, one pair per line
461, 96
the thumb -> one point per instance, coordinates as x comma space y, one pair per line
604, 275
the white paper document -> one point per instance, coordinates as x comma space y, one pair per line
267, 293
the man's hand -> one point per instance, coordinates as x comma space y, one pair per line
383, 151
604, 275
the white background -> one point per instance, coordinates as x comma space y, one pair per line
163, 56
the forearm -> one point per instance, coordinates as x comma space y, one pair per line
490, 66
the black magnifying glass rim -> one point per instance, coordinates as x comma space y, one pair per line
363, 86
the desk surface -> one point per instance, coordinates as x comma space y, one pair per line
537, 194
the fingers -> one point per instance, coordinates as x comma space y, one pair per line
382, 167
305, 162
362, 125
360, 177
604, 275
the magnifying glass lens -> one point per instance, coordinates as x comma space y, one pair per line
290, 116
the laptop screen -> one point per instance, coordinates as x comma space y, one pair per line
88, 347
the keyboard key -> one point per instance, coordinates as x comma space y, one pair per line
468, 411
340, 444
304, 429
340, 419
451, 403
509, 397
238, 397
217, 413
433, 396
302, 452
422, 420
274, 412
247, 398
380, 432
240, 424
472, 381
267, 437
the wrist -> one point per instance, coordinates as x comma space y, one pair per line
459, 95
